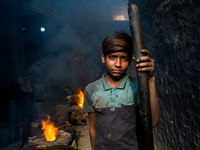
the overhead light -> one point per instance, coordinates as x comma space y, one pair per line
42, 29
119, 18
120, 13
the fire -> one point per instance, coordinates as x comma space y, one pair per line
49, 129
81, 99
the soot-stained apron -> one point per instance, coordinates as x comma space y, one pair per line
116, 130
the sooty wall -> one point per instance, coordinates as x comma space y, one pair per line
171, 31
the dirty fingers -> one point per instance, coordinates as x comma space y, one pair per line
145, 63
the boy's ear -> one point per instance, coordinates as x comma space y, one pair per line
103, 58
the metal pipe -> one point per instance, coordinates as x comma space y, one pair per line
144, 106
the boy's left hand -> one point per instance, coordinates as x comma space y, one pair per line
145, 63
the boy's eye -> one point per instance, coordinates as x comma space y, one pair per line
125, 58
112, 57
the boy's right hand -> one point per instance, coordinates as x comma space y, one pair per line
145, 63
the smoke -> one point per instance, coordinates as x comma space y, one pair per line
70, 47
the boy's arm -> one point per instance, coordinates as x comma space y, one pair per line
92, 128
155, 107
88, 108
146, 64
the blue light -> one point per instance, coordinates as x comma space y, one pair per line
42, 29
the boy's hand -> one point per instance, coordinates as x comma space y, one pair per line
145, 63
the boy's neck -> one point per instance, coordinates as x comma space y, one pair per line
113, 81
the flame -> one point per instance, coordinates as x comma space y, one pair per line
81, 99
49, 129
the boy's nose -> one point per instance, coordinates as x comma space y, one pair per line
118, 63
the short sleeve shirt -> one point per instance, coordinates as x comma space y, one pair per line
100, 94
116, 116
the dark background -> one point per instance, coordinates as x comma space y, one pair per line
74, 30
171, 32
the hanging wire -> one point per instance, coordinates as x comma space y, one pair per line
46, 13
110, 3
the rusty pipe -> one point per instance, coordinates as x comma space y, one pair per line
144, 106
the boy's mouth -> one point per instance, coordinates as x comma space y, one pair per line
116, 71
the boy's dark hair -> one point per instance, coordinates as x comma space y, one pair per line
118, 41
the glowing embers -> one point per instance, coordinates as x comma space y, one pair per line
52, 137
81, 99
50, 130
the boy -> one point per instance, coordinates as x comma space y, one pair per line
112, 101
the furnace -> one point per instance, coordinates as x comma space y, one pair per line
60, 136
62, 142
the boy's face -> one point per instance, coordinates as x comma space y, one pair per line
116, 63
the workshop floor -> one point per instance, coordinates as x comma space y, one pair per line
83, 138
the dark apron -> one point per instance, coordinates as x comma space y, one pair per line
116, 130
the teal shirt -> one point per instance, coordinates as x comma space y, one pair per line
99, 94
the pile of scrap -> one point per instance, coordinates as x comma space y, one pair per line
77, 115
